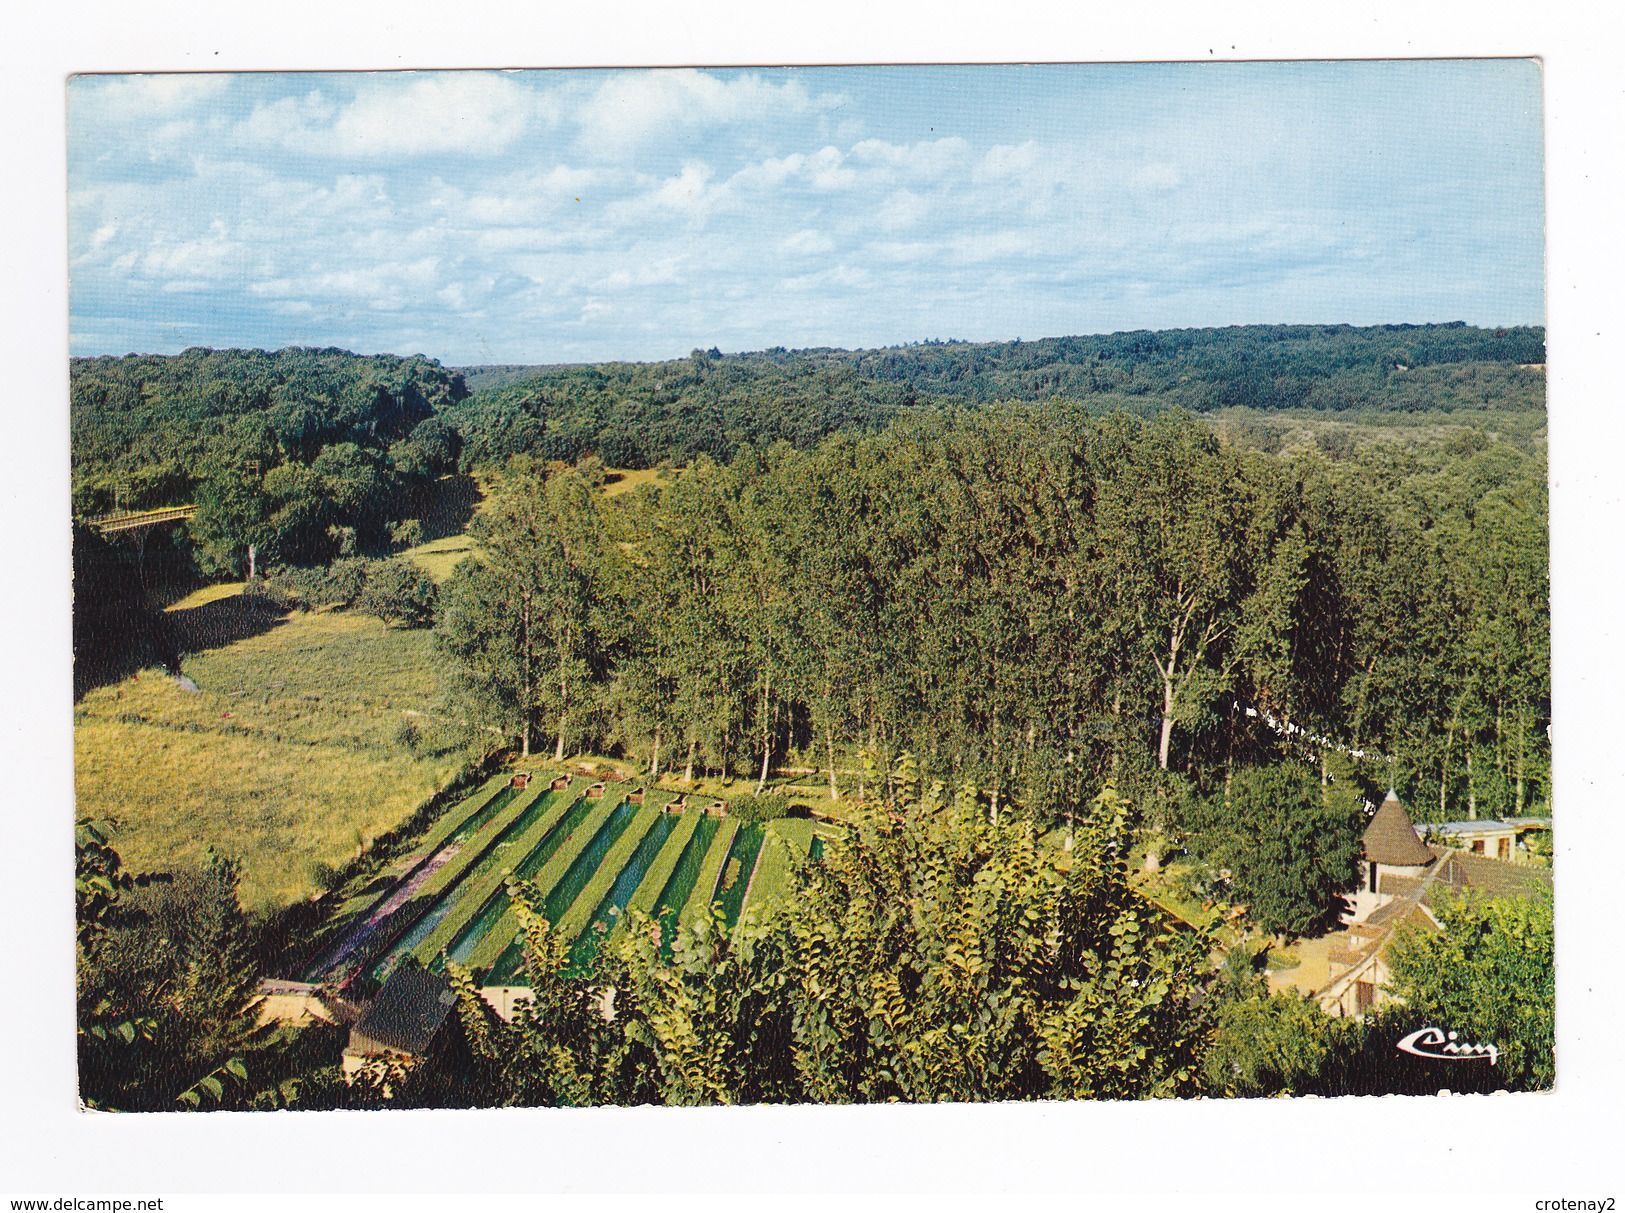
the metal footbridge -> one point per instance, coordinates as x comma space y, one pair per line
114, 524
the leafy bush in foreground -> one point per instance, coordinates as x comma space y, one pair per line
932, 955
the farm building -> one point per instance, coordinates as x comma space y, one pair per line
1392, 848
403, 1022
1357, 963
1494, 838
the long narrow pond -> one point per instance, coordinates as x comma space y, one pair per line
735, 880
496, 905
559, 898
453, 894
681, 881
563, 894
613, 903
388, 906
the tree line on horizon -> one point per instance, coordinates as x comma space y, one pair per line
148, 430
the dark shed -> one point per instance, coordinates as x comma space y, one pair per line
406, 1015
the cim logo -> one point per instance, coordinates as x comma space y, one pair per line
1443, 1046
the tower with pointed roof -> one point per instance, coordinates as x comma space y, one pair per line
1392, 846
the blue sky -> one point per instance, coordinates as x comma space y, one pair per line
588, 215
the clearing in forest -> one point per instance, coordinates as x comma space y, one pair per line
446, 524
623, 480
303, 739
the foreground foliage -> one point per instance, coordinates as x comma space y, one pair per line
932, 955
166, 982
168, 975
1489, 975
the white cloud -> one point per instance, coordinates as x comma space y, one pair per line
1159, 177
825, 169
1004, 160
382, 285
646, 273
976, 247
191, 263
288, 122
686, 191
836, 276
807, 242
277, 209
131, 100
519, 199
904, 251
901, 209
444, 113
928, 161
688, 195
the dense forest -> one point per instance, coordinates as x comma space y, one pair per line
302, 454
152, 427
149, 430
1030, 599
636, 415
1036, 615
1259, 366
1026, 594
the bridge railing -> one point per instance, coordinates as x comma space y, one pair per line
130, 520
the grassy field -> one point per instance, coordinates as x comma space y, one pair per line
448, 524
622, 480
439, 556
207, 594
294, 749
445, 524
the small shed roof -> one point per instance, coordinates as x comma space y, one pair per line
1491, 877
408, 1010
1391, 839
1487, 826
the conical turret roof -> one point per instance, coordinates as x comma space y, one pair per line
1392, 839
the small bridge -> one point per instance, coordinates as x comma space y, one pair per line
114, 524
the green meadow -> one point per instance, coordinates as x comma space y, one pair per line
306, 738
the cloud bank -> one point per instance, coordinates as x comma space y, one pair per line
569, 216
